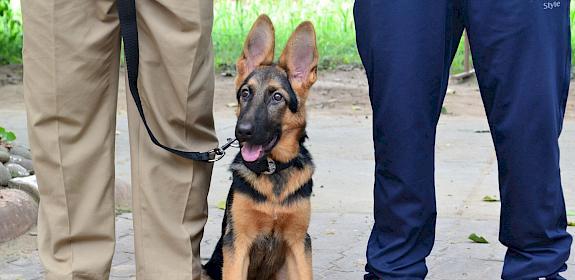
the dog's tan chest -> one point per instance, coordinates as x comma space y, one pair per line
270, 217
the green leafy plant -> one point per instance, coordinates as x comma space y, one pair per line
10, 35
6, 136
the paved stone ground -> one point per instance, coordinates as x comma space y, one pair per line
466, 171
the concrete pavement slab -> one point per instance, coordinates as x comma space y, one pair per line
466, 170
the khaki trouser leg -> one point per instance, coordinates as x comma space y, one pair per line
71, 54
176, 86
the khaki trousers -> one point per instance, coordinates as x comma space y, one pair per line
71, 61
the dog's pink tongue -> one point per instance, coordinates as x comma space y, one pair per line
251, 153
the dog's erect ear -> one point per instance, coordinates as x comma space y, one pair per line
300, 57
258, 48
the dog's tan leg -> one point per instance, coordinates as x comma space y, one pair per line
237, 259
298, 262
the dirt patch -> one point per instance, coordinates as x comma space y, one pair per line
338, 92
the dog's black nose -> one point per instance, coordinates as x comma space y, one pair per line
244, 131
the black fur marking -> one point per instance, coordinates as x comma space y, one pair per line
304, 158
227, 225
304, 192
279, 181
214, 266
307, 243
228, 239
293, 101
237, 159
241, 186
267, 256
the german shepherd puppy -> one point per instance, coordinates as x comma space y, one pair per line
264, 232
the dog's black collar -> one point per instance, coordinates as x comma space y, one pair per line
268, 166
265, 166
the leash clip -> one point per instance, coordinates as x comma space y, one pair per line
218, 153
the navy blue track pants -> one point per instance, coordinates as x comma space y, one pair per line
521, 53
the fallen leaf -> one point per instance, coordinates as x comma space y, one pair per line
571, 224
221, 204
355, 108
232, 105
489, 198
571, 213
478, 239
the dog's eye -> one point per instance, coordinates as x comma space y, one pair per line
245, 93
278, 96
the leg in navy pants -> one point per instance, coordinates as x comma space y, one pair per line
521, 52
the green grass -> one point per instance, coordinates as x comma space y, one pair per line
333, 20
459, 58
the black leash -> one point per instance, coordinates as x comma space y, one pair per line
129, 32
